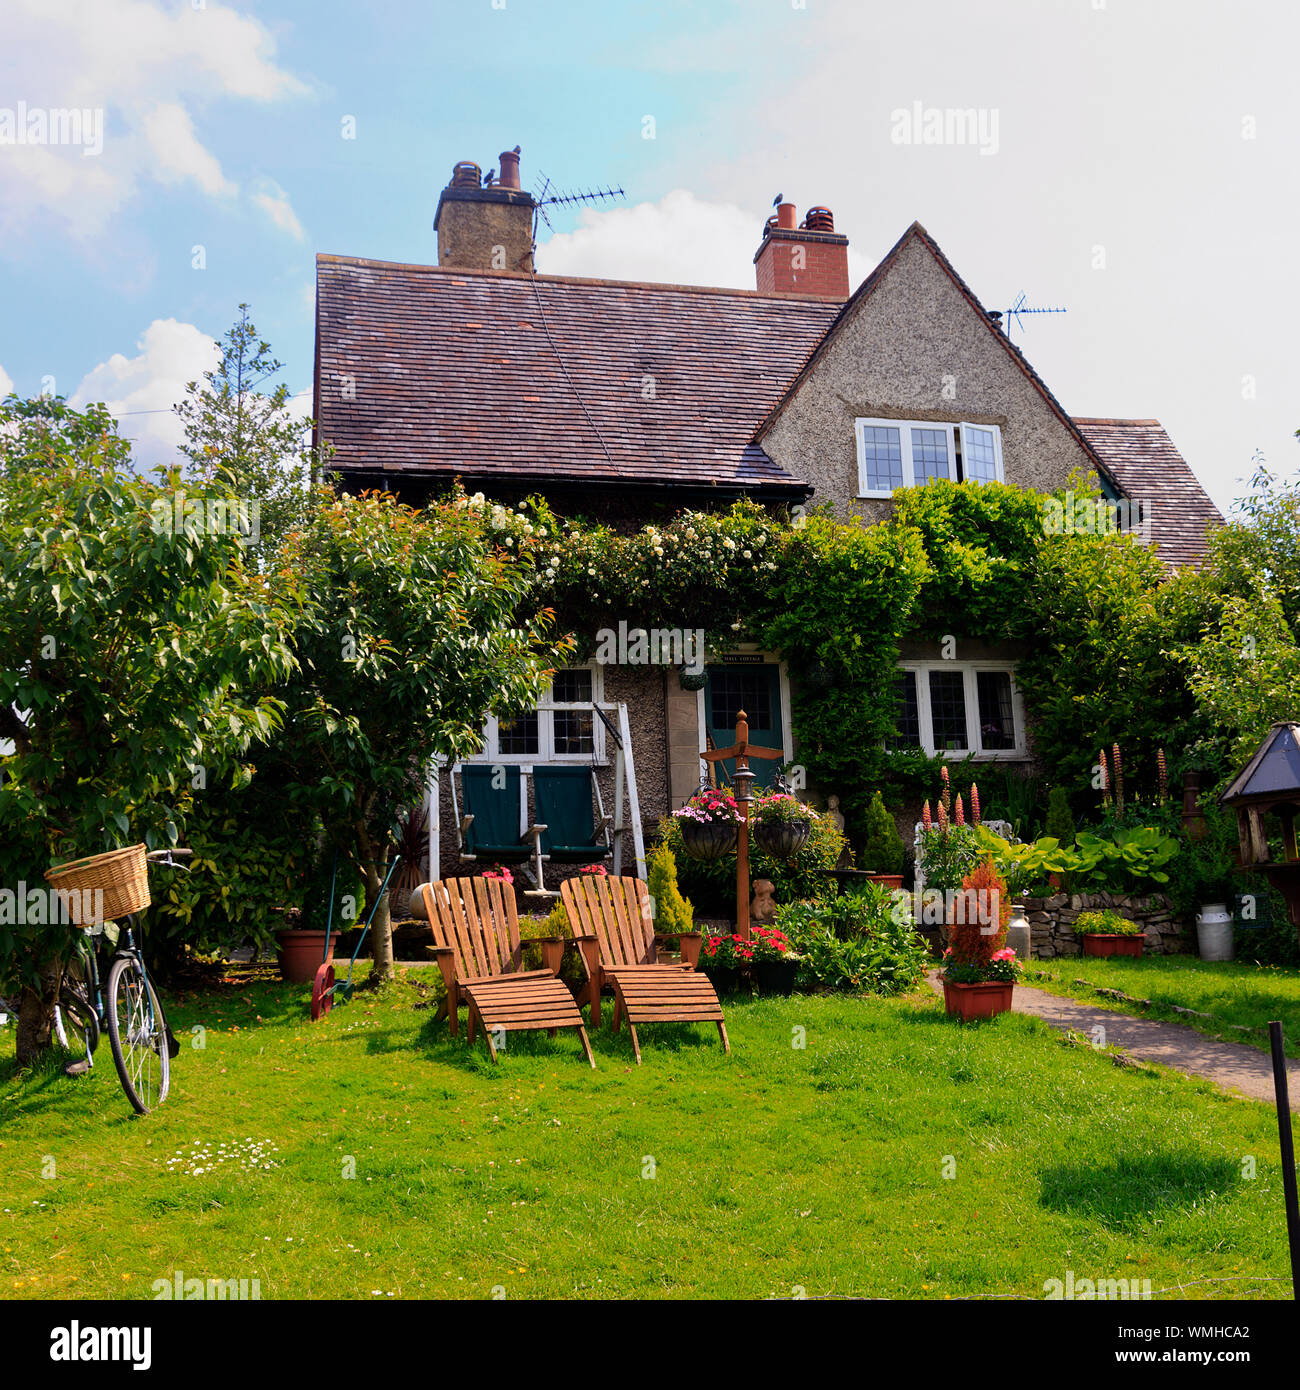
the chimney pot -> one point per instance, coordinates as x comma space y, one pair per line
509, 166
786, 216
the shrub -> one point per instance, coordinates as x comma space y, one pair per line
1107, 923
970, 944
1060, 823
673, 913
855, 941
882, 848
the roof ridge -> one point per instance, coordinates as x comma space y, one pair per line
461, 272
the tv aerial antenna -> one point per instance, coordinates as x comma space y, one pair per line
1006, 317
544, 196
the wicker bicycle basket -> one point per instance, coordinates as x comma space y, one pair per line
121, 875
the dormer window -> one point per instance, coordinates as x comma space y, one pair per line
911, 453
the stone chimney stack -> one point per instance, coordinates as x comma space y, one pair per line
486, 226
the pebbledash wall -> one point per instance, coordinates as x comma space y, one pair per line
916, 349
1051, 922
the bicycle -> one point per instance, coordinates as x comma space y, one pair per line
125, 1006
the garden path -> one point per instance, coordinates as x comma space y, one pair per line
1232, 1066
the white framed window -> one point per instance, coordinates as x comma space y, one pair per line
911, 453
562, 728
958, 708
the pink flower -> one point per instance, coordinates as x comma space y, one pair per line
961, 815
975, 803
925, 815
1006, 953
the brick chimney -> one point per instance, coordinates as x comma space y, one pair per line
486, 227
808, 259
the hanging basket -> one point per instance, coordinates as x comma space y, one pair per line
708, 839
782, 839
691, 680
121, 875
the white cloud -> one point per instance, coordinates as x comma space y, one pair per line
177, 153
274, 201
145, 68
142, 390
6, 384
680, 240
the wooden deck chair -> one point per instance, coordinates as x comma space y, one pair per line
489, 828
614, 928
476, 942
571, 834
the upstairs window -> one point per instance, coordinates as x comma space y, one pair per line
911, 453
958, 708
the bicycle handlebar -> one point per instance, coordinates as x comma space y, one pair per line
168, 857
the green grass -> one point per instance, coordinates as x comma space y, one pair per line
775, 1169
1233, 993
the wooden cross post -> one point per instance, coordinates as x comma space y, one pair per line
742, 751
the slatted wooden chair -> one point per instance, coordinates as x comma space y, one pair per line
476, 942
614, 927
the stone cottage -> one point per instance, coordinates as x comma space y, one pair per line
628, 401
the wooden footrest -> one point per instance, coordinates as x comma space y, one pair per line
533, 999
665, 994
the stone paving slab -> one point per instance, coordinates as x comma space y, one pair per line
1232, 1066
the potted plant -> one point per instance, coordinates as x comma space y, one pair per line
710, 824
979, 969
1108, 934
882, 848
776, 962
300, 949
724, 959
780, 824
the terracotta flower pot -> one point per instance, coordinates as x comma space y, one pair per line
1096, 943
889, 880
301, 951
689, 944
977, 1001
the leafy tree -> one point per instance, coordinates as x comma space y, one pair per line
411, 637
44, 433
130, 634
248, 438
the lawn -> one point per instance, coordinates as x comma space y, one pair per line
777, 1169
1240, 998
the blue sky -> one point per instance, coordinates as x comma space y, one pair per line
1142, 174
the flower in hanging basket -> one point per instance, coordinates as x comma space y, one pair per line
780, 806
710, 804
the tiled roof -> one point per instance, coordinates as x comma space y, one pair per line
1142, 459
494, 376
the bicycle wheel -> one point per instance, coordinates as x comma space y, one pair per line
137, 1035
75, 1019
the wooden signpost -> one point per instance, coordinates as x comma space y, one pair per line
742, 750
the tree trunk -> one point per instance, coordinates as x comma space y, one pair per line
381, 927
36, 1016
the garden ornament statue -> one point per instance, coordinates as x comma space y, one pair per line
762, 909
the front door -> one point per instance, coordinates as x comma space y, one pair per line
755, 688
